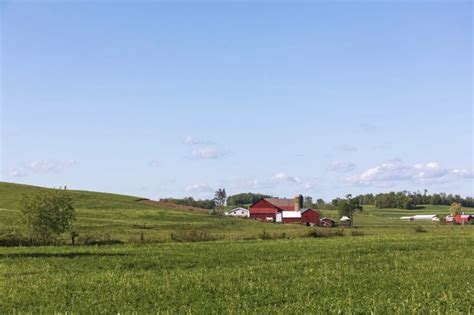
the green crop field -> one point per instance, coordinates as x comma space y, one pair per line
384, 266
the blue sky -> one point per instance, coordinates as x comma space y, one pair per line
162, 99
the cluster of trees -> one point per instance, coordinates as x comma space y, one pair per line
245, 199
410, 200
190, 201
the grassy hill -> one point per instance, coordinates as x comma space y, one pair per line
104, 216
112, 217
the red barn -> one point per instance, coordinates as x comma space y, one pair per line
310, 216
267, 208
462, 218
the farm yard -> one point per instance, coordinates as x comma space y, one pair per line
170, 259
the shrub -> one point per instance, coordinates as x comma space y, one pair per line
357, 233
192, 236
267, 236
420, 229
326, 233
47, 215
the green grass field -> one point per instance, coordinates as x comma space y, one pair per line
384, 266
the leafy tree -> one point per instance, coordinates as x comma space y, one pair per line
48, 214
244, 199
347, 207
455, 209
308, 202
220, 198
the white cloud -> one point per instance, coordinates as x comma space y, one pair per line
397, 170
368, 127
347, 148
154, 163
14, 172
50, 166
199, 188
190, 140
462, 173
341, 166
206, 153
283, 177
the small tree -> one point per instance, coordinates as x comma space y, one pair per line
308, 202
220, 198
347, 207
48, 214
455, 209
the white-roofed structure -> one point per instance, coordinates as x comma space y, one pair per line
238, 212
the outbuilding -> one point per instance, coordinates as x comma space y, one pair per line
463, 218
309, 216
288, 216
238, 212
326, 222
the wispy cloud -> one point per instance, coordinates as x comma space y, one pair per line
341, 166
154, 163
283, 177
347, 148
397, 170
368, 127
191, 140
14, 172
199, 188
50, 166
206, 153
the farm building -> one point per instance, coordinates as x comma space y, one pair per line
284, 211
268, 208
463, 218
345, 221
288, 216
238, 212
327, 222
309, 216
421, 217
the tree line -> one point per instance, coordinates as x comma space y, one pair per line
401, 200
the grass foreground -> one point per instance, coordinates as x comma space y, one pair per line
415, 273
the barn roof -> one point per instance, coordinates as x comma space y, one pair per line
303, 210
281, 202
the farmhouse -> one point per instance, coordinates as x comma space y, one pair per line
238, 212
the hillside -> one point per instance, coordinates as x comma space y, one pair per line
104, 216
111, 217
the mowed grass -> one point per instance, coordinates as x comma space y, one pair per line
394, 274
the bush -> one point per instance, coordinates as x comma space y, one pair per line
192, 236
47, 215
267, 236
420, 229
326, 233
357, 233
98, 240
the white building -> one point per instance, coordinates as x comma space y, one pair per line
288, 216
238, 212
